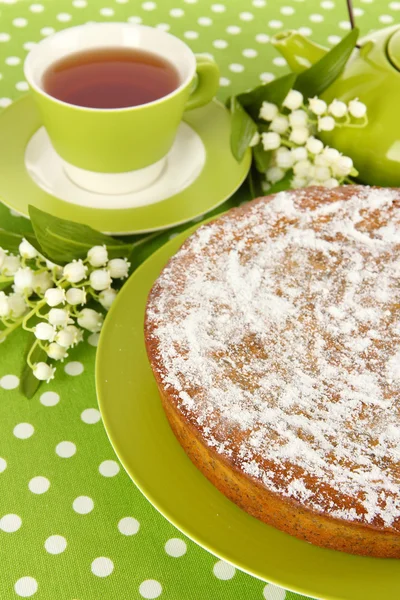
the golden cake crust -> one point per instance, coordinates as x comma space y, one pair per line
274, 338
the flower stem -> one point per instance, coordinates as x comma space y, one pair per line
28, 358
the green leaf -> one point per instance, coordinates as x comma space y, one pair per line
4, 285
282, 185
29, 384
243, 129
10, 241
262, 158
62, 241
275, 91
254, 179
319, 77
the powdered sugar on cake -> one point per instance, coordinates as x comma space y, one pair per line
283, 326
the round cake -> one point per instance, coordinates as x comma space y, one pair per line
274, 338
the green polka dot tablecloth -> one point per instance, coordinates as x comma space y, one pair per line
72, 524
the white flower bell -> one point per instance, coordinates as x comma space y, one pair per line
299, 182
98, 256
91, 320
17, 304
275, 174
119, 267
56, 352
331, 183
75, 271
357, 109
342, 166
55, 296
299, 154
337, 109
284, 158
107, 297
326, 123
4, 305
67, 337
293, 100
59, 317
44, 372
42, 282
11, 264
44, 331
314, 145
322, 174
23, 280
280, 124
302, 168
299, 135
270, 141
331, 155
298, 118
268, 111
100, 279
76, 296
317, 106
26, 249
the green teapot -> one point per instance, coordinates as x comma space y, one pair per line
372, 74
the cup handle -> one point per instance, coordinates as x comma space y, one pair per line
206, 82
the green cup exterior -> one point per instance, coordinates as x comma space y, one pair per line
116, 141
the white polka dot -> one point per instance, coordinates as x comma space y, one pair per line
208, 55
29, 46
273, 592
259, 3
204, 21
358, 12
4, 102
267, 77
122, 1
150, 589
334, 39
246, 16
163, 26
262, 38
220, 44
236, 68
279, 61
316, 18
345, 25
109, 468
3, 464
327, 4
9, 382
79, 3
49, 399
20, 22
55, 544
305, 31
394, 5
135, 19
190, 1
191, 35
233, 29
39, 485
12, 61
128, 526
275, 24
83, 505
175, 547
249, 53
5, 37
149, 5
73, 368
102, 566
26, 587
176, 12
223, 570
23, 431
65, 449
10, 523
107, 12
93, 339
287, 10
47, 30
224, 82
64, 17
386, 19
22, 86
218, 8
90, 416
36, 8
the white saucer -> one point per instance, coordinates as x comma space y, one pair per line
184, 163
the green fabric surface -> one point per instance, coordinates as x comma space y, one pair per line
236, 33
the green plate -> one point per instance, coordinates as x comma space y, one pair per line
218, 180
140, 434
